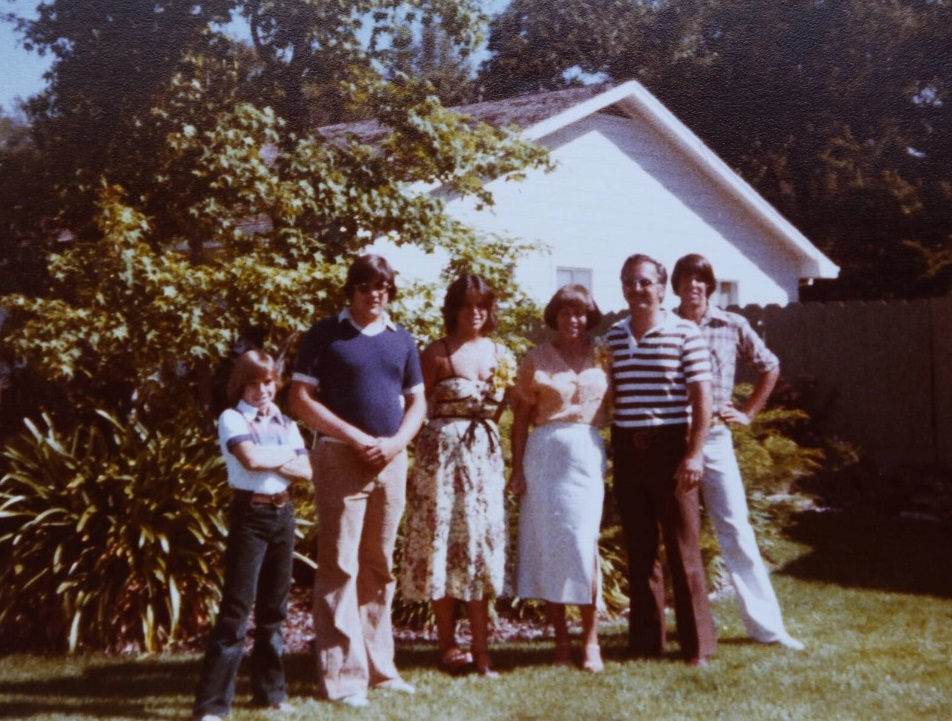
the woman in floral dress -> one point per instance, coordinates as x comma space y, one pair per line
455, 544
558, 470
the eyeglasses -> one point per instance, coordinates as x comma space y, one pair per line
380, 286
641, 283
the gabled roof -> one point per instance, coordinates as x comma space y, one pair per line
542, 114
523, 112
634, 100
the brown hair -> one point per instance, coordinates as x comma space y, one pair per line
574, 295
641, 258
694, 264
250, 367
370, 268
456, 297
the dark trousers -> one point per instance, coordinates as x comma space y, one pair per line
257, 571
648, 496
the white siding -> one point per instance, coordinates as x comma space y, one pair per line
620, 188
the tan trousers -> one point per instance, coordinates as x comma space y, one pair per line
358, 512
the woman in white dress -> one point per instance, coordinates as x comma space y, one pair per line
558, 470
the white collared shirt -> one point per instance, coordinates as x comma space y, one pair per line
244, 423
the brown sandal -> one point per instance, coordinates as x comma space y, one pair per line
456, 662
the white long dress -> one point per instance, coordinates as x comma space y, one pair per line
561, 510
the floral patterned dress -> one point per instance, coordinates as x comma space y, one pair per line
456, 533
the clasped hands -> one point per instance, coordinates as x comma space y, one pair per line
377, 452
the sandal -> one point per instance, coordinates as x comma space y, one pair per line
456, 662
484, 666
592, 660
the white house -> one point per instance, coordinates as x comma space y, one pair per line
629, 178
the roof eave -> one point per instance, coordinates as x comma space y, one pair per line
646, 105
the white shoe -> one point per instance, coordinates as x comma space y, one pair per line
354, 701
208, 717
787, 641
790, 642
398, 685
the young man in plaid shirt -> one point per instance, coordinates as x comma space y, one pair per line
730, 338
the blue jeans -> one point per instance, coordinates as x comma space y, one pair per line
257, 571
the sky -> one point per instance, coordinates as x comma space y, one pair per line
21, 72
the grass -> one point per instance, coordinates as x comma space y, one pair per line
870, 595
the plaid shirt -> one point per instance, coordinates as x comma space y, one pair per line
729, 337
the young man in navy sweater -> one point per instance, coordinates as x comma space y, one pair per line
357, 383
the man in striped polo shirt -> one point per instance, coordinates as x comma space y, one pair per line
661, 378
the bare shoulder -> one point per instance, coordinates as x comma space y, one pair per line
434, 360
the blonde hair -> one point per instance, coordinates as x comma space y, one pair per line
250, 367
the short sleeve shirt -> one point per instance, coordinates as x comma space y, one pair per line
360, 377
730, 338
650, 377
244, 423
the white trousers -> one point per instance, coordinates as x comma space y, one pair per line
726, 502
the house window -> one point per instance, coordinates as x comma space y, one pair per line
568, 276
727, 293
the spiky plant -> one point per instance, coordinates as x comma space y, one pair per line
111, 535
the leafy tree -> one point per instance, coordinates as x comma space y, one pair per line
534, 43
428, 54
111, 58
144, 311
312, 51
22, 229
202, 206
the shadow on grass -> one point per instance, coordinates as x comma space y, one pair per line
870, 549
110, 687
107, 689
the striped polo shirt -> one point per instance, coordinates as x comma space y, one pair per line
650, 377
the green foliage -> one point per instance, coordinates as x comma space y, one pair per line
204, 214
110, 535
153, 304
770, 458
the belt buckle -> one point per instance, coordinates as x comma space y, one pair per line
278, 500
641, 439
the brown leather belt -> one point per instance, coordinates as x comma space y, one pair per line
644, 438
271, 499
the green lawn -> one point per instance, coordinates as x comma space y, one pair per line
870, 596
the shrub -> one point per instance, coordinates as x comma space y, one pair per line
111, 535
778, 453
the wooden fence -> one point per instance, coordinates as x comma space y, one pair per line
882, 371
